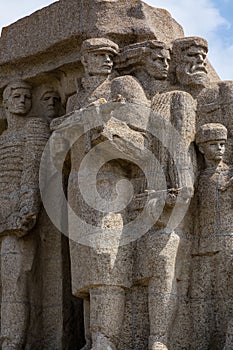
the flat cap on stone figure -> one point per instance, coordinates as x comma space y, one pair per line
211, 139
215, 194
97, 59
214, 179
101, 284
97, 56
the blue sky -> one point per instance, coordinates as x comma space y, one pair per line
211, 19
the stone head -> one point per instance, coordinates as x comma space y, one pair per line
211, 139
151, 56
17, 98
50, 102
97, 56
189, 61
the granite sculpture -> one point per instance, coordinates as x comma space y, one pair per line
22, 145
115, 183
215, 239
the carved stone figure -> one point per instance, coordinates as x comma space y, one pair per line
107, 273
22, 145
212, 263
97, 59
187, 70
135, 89
178, 109
214, 105
99, 283
57, 308
50, 103
155, 241
149, 62
157, 285
189, 64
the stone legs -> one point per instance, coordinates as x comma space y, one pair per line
162, 297
162, 304
106, 317
17, 257
211, 295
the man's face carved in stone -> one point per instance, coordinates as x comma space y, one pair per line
192, 69
213, 150
50, 103
157, 63
19, 101
98, 63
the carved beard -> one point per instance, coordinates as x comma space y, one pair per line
194, 76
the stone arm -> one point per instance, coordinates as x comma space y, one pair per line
174, 115
125, 142
179, 111
129, 89
226, 185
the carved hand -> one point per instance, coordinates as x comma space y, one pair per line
226, 185
25, 223
155, 206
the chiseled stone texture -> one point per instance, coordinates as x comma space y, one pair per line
71, 22
89, 18
140, 148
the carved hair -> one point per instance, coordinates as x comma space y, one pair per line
132, 56
13, 86
43, 90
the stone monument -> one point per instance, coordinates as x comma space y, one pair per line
115, 182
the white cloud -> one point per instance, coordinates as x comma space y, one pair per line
197, 17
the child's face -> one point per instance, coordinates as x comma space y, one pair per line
214, 149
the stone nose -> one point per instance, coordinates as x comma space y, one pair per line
107, 58
166, 63
200, 58
22, 99
51, 102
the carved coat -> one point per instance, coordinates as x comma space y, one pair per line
111, 265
